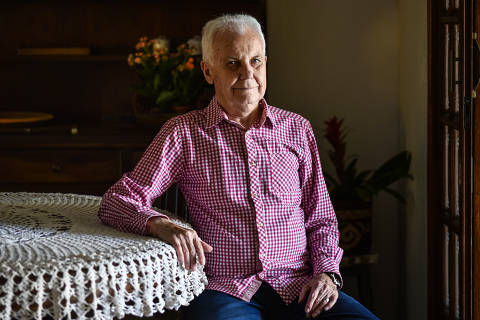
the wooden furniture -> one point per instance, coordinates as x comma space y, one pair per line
90, 92
453, 160
52, 159
97, 86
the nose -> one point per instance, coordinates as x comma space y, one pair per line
246, 71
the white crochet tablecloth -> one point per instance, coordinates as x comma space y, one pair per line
57, 260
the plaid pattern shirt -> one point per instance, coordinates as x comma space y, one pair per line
257, 196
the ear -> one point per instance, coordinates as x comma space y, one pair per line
207, 71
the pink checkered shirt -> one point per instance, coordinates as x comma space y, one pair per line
257, 196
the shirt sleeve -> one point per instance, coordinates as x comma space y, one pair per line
127, 205
320, 220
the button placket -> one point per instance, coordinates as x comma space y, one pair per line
255, 194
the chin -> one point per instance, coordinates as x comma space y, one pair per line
247, 101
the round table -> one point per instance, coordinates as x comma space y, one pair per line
57, 260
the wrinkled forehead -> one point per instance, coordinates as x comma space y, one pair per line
236, 44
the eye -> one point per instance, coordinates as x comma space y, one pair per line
232, 63
256, 61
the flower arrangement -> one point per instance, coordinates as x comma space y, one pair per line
169, 78
361, 187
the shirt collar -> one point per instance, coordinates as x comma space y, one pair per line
215, 114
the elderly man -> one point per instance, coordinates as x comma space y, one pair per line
264, 226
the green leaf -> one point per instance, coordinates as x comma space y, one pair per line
165, 97
392, 170
395, 194
156, 81
360, 178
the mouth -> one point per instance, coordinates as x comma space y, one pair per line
245, 88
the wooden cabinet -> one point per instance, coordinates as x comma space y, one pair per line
60, 166
54, 161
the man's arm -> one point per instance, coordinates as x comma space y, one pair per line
321, 229
127, 205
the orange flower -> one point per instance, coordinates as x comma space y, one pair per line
130, 60
138, 60
189, 66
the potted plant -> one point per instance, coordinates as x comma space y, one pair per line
170, 82
352, 192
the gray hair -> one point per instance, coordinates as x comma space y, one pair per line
239, 23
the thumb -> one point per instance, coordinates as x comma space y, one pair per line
206, 246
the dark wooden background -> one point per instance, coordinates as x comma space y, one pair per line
89, 93
94, 87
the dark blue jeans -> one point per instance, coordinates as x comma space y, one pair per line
266, 304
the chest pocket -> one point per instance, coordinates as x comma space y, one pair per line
283, 168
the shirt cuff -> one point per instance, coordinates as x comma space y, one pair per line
327, 265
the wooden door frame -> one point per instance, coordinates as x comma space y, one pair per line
471, 259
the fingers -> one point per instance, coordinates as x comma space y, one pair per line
326, 304
191, 239
186, 253
199, 248
177, 245
316, 306
303, 293
206, 246
331, 303
192, 246
323, 295
186, 242
312, 299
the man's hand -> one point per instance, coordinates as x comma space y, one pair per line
323, 295
186, 242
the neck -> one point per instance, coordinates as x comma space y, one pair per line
243, 116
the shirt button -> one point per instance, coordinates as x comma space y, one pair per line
252, 163
254, 195
261, 276
261, 255
260, 224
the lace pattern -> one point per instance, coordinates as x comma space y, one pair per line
57, 259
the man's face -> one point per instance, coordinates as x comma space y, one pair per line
238, 71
